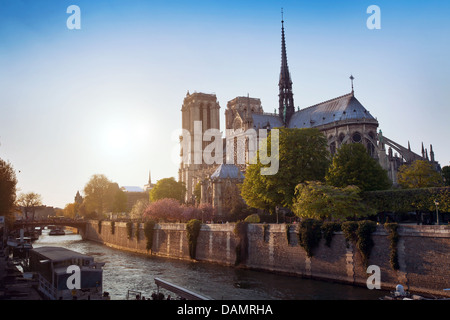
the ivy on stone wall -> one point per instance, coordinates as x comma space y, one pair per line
328, 230
240, 230
136, 232
349, 228
365, 242
288, 232
360, 233
129, 229
113, 227
266, 232
392, 229
193, 230
149, 230
309, 235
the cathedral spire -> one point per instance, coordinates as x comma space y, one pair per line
286, 100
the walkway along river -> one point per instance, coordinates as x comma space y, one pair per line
125, 271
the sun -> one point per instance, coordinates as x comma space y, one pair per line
116, 138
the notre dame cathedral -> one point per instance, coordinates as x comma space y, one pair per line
342, 120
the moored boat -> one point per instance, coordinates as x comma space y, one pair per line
54, 267
19, 246
57, 232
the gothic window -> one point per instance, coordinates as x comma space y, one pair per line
356, 137
237, 124
370, 148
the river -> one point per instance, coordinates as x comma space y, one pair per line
125, 271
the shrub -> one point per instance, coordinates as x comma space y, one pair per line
253, 218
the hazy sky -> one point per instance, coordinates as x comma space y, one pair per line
106, 98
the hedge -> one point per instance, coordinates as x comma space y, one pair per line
407, 200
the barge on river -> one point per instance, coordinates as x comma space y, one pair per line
51, 266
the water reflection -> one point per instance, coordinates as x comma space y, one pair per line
128, 271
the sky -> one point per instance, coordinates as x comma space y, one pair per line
106, 98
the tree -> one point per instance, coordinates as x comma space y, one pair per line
446, 175
118, 200
29, 202
352, 165
198, 192
303, 156
8, 182
168, 188
138, 209
99, 194
69, 210
316, 200
419, 174
166, 209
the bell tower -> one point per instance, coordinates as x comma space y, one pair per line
198, 108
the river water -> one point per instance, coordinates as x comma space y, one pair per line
125, 271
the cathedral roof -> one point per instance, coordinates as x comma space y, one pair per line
227, 171
346, 107
261, 121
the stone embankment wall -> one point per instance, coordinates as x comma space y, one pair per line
423, 252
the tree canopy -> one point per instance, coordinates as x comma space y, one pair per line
8, 182
303, 155
419, 174
316, 200
446, 175
29, 201
102, 196
352, 165
168, 188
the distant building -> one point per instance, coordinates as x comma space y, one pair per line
135, 193
40, 212
149, 186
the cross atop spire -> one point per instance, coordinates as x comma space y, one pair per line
351, 79
286, 100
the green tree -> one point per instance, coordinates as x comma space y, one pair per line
8, 182
446, 175
98, 195
316, 200
198, 192
303, 156
168, 188
419, 174
117, 199
352, 165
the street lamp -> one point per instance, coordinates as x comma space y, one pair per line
437, 212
